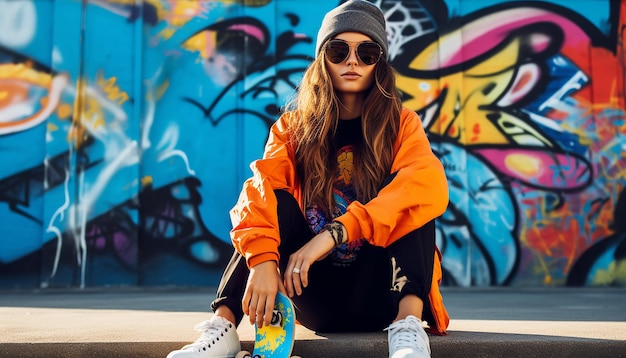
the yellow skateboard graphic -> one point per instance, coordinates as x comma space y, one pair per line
276, 339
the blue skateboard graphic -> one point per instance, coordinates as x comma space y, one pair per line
276, 339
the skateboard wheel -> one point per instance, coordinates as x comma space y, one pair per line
243, 354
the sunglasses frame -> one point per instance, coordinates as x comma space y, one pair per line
350, 45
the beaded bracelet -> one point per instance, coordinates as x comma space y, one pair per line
335, 229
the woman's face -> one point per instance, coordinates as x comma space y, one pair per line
351, 75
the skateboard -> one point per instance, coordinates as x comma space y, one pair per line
275, 340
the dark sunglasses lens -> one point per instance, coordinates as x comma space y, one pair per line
337, 51
369, 52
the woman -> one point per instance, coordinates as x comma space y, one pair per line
339, 213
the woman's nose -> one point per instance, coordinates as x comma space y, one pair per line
352, 57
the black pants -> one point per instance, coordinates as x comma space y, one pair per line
362, 297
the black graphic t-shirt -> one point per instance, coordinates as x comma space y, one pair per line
349, 136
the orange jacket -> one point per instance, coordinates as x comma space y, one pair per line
417, 195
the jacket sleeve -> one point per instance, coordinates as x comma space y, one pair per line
254, 218
417, 194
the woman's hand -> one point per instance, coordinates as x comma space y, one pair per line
258, 299
300, 261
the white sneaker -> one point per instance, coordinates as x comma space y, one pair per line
407, 339
219, 339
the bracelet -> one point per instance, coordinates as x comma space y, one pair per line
335, 229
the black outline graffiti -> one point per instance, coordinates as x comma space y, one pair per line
284, 42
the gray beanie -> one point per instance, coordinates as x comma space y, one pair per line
357, 16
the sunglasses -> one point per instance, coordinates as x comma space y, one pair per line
338, 50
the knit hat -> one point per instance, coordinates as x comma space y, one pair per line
354, 16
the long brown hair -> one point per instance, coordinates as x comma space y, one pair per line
317, 108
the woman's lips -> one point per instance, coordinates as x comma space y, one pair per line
351, 75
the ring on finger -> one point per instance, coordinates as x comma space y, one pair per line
296, 270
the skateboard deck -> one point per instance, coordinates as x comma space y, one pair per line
276, 339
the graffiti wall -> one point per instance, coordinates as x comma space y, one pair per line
127, 128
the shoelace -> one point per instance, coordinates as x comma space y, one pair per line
404, 334
211, 333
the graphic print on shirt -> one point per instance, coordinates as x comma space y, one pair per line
343, 193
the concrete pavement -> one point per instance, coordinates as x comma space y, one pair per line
150, 322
